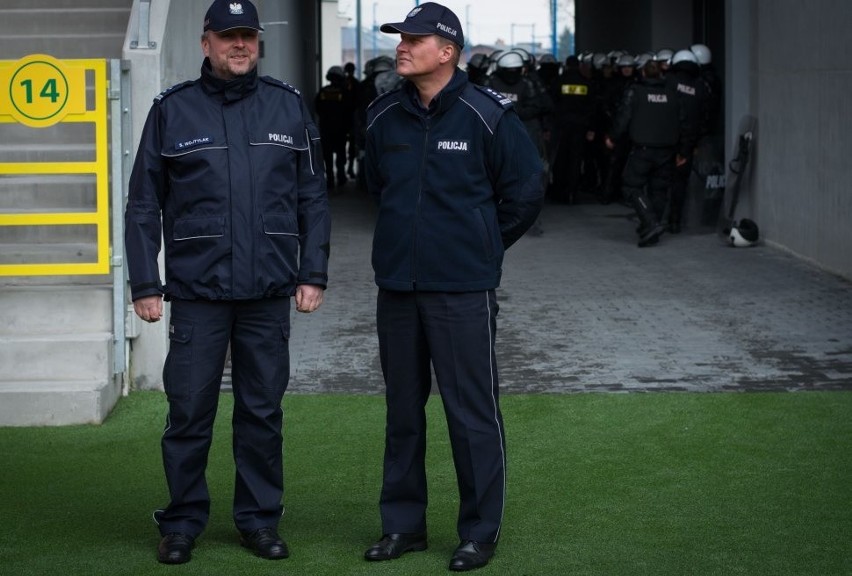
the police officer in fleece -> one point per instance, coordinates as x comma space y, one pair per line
457, 180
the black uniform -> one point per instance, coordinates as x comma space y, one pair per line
335, 113
531, 103
353, 90
694, 97
612, 93
575, 107
653, 117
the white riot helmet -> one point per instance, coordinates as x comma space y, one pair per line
510, 67
703, 53
664, 55
641, 59
744, 233
599, 60
510, 59
684, 56
625, 60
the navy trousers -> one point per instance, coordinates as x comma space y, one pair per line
199, 332
454, 333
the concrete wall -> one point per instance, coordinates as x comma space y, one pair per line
802, 198
633, 25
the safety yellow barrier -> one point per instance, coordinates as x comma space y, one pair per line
39, 91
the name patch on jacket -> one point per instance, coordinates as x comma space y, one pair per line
281, 138
657, 98
397, 147
186, 144
453, 145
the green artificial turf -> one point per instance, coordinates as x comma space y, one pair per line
598, 484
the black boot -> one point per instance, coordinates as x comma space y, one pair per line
651, 229
674, 216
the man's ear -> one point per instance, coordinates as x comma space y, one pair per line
447, 52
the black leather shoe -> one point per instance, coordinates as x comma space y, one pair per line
471, 555
266, 543
395, 545
175, 549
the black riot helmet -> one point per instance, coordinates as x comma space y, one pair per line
477, 68
548, 67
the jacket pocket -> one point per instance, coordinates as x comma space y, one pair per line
486, 234
279, 253
280, 225
198, 227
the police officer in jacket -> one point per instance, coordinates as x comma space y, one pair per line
457, 181
661, 136
228, 173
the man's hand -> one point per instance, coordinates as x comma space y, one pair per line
149, 308
308, 297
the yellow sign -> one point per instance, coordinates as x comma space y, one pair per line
39, 91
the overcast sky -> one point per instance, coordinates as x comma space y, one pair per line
483, 21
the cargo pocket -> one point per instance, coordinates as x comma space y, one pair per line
282, 373
177, 371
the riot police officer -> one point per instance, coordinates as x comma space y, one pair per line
623, 77
477, 68
713, 85
661, 137
575, 107
353, 87
684, 78
531, 104
335, 111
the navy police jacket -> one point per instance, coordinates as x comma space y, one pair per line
456, 185
230, 175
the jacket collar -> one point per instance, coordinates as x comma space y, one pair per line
227, 90
442, 101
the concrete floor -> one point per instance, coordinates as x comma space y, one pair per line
583, 309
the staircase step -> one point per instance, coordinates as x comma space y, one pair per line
57, 402
35, 22
44, 357
47, 193
87, 308
29, 252
59, 4
53, 152
64, 46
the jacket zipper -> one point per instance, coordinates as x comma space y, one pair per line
417, 208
